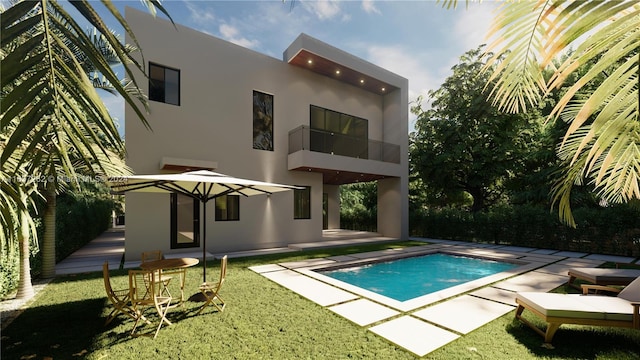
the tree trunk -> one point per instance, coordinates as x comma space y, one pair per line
478, 199
25, 289
49, 239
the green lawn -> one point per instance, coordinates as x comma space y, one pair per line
263, 320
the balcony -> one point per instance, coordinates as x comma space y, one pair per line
326, 142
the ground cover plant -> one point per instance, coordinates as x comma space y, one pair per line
263, 320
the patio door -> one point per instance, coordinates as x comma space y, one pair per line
185, 221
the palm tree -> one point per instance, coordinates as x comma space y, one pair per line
52, 119
601, 147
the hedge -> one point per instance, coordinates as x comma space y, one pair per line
613, 230
80, 218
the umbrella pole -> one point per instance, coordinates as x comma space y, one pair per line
200, 297
204, 242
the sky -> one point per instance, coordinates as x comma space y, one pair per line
419, 40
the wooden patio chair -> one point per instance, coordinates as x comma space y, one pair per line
622, 310
211, 290
119, 298
147, 256
145, 293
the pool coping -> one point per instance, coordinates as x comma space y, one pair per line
424, 300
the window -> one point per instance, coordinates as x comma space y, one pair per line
185, 217
228, 208
336, 133
302, 203
164, 84
262, 121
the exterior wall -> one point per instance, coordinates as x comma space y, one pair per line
333, 194
214, 124
393, 196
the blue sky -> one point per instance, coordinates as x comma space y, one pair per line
418, 40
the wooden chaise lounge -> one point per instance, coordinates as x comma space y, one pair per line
601, 276
622, 310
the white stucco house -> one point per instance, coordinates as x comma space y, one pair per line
319, 118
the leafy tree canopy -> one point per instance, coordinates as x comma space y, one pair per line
464, 144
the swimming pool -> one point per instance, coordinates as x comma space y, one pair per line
408, 278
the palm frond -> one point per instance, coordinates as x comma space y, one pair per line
601, 143
516, 73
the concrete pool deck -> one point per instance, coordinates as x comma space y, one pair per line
429, 322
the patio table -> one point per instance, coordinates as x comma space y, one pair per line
176, 266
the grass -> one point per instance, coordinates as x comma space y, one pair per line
263, 320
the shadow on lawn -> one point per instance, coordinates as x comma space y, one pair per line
60, 331
580, 342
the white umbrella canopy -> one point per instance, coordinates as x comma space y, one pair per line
203, 185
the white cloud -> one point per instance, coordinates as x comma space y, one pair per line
472, 25
232, 34
369, 7
409, 64
406, 63
200, 15
323, 9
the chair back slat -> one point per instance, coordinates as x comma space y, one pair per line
150, 256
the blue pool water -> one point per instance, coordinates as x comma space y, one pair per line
408, 278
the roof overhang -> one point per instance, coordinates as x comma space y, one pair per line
314, 55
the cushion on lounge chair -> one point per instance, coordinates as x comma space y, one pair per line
559, 305
605, 276
613, 308
557, 309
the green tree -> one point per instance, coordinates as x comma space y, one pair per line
358, 205
601, 146
52, 121
463, 144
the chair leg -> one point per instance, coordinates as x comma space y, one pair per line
139, 316
114, 313
551, 331
162, 310
211, 300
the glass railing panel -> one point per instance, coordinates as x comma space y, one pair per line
304, 138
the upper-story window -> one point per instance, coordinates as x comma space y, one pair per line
164, 84
336, 133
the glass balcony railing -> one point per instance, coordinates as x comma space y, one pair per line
305, 138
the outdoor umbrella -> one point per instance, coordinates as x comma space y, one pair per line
202, 185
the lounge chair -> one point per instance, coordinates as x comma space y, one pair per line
211, 290
622, 310
601, 276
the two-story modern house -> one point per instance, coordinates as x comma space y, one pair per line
319, 118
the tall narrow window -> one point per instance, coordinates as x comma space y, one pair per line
185, 220
164, 84
228, 208
302, 203
262, 121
